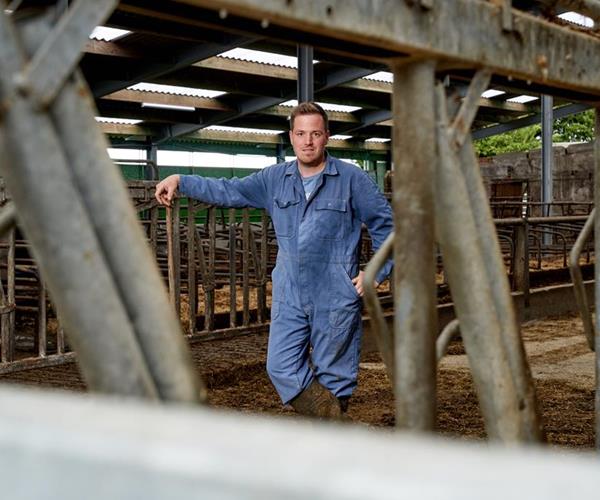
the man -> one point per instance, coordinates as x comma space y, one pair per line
318, 205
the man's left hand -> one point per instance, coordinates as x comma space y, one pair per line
358, 283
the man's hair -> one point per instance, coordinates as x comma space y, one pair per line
308, 108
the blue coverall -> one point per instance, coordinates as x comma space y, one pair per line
316, 326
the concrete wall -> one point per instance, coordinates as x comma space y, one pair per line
573, 171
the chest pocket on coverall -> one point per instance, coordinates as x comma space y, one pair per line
330, 218
284, 217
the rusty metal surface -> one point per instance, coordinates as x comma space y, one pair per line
414, 261
534, 50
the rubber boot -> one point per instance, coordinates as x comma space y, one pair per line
316, 401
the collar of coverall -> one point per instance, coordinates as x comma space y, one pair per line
330, 168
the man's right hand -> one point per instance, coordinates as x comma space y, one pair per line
165, 190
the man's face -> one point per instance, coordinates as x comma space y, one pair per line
309, 139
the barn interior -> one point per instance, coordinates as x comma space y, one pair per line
485, 331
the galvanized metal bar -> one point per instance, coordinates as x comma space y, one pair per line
58, 56
547, 157
450, 331
461, 125
553, 55
264, 249
170, 256
511, 337
577, 278
415, 322
210, 290
8, 218
480, 291
383, 336
11, 282
521, 261
258, 273
157, 452
191, 256
232, 270
6, 333
53, 217
203, 274
42, 323
154, 230
176, 247
245, 267
597, 270
306, 86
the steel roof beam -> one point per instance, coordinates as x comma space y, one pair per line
255, 104
561, 112
148, 71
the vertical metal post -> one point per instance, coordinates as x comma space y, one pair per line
306, 90
597, 269
547, 159
210, 289
150, 174
191, 254
380, 170
264, 258
415, 322
280, 153
245, 267
42, 319
521, 261
174, 257
11, 289
232, 270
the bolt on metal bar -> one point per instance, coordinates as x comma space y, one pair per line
54, 218
577, 278
55, 60
414, 257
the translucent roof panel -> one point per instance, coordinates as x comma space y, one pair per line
108, 34
326, 106
174, 89
261, 57
522, 99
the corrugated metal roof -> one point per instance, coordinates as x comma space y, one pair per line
175, 90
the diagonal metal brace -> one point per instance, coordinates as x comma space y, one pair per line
8, 218
56, 59
461, 126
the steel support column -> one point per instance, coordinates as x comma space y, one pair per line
547, 158
306, 86
151, 174
415, 303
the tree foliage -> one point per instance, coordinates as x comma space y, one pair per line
573, 128
522, 139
